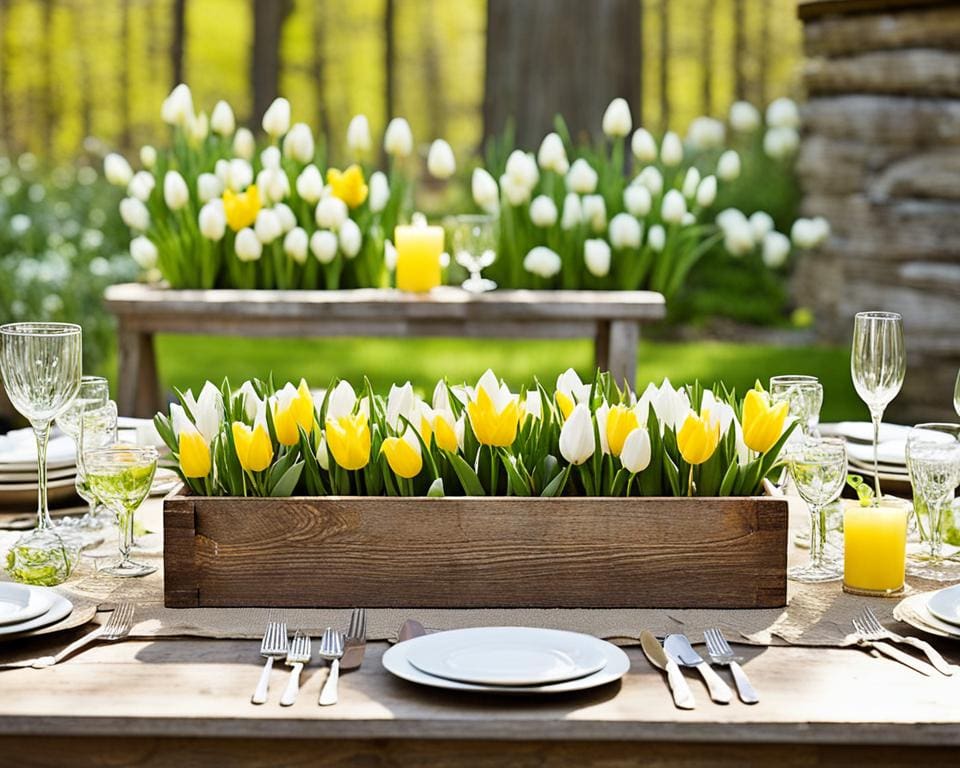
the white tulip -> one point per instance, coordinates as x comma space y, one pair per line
776, 249
199, 127
643, 146
783, 113
331, 212
117, 170
657, 238
577, 440
248, 245
595, 212
400, 402
295, 244
212, 220
341, 400
809, 233
249, 398
208, 187
323, 245
239, 175
207, 410
596, 255
389, 255
148, 156
134, 214
441, 162
688, 219
177, 108
350, 238
276, 120
822, 227
542, 261
522, 169
738, 238
706, 133
274, 184
744, 117
310, 184
516, 192
288, 219
570, 384
222, 120
636, 452
707, 191
617, 121
690, 183
652, 179
298, 143
323, 456
533, 404
625, 231
671, 149
728, 166
780, 143
244, 145
379, 192
581, 178
552, 155
271, 158
572, 212
398, 138
486, 193
543, 211
144, 252
637, 200
671, 405
730, 217
761, 223
141, 185
175, 192
358, 135
267, 226
673, 208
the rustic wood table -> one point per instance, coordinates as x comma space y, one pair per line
611, 318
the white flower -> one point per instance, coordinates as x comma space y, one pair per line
706, 133
744, 117
298, 143
572, 212
779, 143
141, 185
671, 405
737, 234
117, 170
310, 184
707, 192
207, 410
637, 200
441, 162
783, 113
652, 179
134, 214
616, 119
822, 229
553, 155
400, 402
625, 231
274, 184
398, 138
688, 219
516, 192
581, 178
596, 255
595, 212
570, 384
673, 208
543, 211
577, 441
244, 145
728, 166
144, 252
177, 108
761, 223
331, 212
288, 219
657, 238
267, 226
323, 245
148, 156
522, 170
276, 120
238, 174
542, 261
671, 149
249, 398
199, 127
389, 255
379, 192
350, 238
809, 233
222, 120
776, 249
271, 158
643, 146
690, 183
341, 400
358, 135
212, 220
635, 454
248, 245
175, 192
295, 244
208, 187
486, 194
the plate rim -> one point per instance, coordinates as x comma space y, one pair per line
44, 620
931, 629
44, 603
955, 621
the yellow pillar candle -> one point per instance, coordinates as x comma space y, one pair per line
418, 256
874, 548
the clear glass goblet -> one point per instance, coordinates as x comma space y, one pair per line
474, 239
98, 429
805, 397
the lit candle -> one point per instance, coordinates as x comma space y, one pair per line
874, 548
418, 256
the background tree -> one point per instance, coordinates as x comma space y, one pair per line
268, 18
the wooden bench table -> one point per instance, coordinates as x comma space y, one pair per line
611, 318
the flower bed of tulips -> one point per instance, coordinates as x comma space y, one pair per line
580, 439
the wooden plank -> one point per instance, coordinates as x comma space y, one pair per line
481, 552
622, 351
919, 72
179, 553
815, 9
888, 120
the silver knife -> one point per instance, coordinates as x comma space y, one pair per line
679, 649
897, 655
682, 696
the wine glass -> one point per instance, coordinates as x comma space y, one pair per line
94, 392
120, 476
818, 467
805, 397
474, 239
98, 428
878, 364
956, 395
933, 459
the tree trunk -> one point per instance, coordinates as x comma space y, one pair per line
268, 18
739, 49
126, 140
179, 14
559, 56
389, 58
706, 57
664, 65
49, 96
764, 47
320, 69
83, 70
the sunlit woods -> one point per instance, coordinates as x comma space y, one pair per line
70, 69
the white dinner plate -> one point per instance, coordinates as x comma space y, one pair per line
914, 611
888, 452
862, 431
63, 482
60, 608
18, 450
20, 603
30, 475
945, 605
395, 661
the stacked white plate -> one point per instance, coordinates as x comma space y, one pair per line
516, 660
891, 450
18, 469
23, 608
937, 613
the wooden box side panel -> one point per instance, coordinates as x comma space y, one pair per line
181, 588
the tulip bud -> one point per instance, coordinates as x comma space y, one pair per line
323, 245
572, 212
780, 143
350, 238
310, 184
643, 146
298, 143
276, 120
244, 145
651, 179
707, 192
239, 175
671, 149
208, 187
552, 155
705, 133
522, 171
248, 245
212, 220
616, 119
271, 158
637, 200
776, 249
728, 166
542, 261
595, 212
288, 219
657, 238
331, 213
198, 128
625, 231
761, 223
398, 138
295, 244
379, 192
440, 160
486, 193
543, 211
323, 455
737, 237
117, 170
175, 192
822, 229
577, 440
148, 156
389, 255
358, 135
690, 183
267, 226
673, 208
581, 178
141, 185
809, 233
222, 120
144, 252
177, 108
636, 453
783, 113
596, 255
134, 214
744, 117
516, 192
274, 184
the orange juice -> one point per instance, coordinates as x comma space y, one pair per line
875, 548
418, 257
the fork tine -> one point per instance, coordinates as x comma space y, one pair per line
871, 620
363, 624
722, 642
354, 623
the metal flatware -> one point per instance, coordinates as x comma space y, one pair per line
679, 649
297, 656
876, 631
331, 649
355, 643
682, 695
116, 628
720, 653
890, 651
274, 646
410, 629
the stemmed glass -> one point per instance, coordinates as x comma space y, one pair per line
805, 397
819, 469
878, 364
94, 392
474, 240
98, 428
956, 395
933, 459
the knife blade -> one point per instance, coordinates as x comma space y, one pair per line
682, 695
410, 629
678, 648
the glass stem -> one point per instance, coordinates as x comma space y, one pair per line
934, 517
42, 432
125, 529
876, 416
818, 534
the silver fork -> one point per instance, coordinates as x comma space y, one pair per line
116, 628
274, 646
331, 649
297, 656
876, 631
720, 653
890, 651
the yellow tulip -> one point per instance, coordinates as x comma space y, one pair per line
241, 209
493, 427
348, 185
698, 437
194, 455
293, 408
445, 432
348, 440
254, 449
621, 421
403, 454
762, 422
564, 403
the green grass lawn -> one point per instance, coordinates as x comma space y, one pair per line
186, 361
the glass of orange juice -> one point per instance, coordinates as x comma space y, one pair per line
874, 547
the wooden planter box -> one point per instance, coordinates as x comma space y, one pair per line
475, 552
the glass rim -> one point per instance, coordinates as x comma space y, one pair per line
878, 315
105, 452
795, 378
472, 218
40, 329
